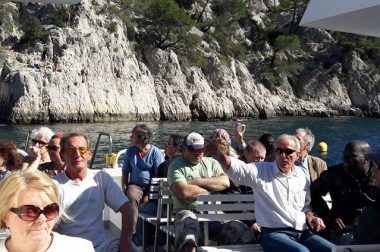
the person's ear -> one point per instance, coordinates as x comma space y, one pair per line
89, 153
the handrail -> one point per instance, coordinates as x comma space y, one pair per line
121, 152
97, 144
27, 141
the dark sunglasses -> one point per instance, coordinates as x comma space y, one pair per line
31, 213
73, 150
287, 151
53, 148
34, 142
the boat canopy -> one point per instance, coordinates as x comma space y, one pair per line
352, 16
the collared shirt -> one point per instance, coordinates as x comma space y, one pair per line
304, 166
280, 200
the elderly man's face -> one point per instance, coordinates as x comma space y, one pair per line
76, 154
256, 155
303, 144
286, 155
193, 156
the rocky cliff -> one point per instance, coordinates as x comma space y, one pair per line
101, 77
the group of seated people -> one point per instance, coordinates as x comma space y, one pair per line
52, 201
53, 189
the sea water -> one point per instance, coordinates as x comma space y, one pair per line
335, 131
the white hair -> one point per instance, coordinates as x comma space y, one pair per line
43, 132
291, 137
308, 137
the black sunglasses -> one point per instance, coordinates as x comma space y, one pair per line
31, 213
53, 148
34, 142
287, 151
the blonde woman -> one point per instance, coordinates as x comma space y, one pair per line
29, 209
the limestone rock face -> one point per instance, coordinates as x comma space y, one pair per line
100, 77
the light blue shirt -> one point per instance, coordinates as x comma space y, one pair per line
305, 167
142, 169
280, 200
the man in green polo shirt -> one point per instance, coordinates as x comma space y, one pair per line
190, 175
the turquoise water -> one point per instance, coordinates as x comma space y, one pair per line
336, 132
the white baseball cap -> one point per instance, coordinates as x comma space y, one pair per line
194, 141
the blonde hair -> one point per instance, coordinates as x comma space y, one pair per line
12, 185
223, 146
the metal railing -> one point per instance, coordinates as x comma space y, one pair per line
97, 145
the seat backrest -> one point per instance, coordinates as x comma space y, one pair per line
165, 202
225, 207
154, 189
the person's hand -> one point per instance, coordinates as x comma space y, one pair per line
34, 152
145, 200
338, 224
256, 228
317, 223
239, 134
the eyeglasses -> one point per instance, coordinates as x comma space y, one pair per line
287, 151
35, 141
73, 150
31, 213
53, 148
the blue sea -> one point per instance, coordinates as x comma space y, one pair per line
335, 131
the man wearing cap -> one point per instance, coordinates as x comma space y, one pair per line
369, 221
190, 175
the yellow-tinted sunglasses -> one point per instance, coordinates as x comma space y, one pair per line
72, 150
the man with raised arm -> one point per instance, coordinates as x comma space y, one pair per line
282, 198
190, 175
83, 194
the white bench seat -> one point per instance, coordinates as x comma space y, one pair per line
232, 248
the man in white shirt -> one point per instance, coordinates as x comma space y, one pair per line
83, 194
282, 198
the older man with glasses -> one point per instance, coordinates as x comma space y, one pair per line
83, 194
282, 198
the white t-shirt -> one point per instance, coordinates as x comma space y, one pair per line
84, 202
62, 243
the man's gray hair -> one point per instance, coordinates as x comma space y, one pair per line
309, 137
292, 138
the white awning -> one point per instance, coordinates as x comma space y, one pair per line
352, 16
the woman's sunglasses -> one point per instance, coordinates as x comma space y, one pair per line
31, 213
41, 143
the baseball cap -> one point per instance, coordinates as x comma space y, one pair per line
374, 156
194, 141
